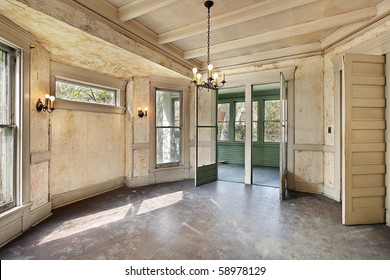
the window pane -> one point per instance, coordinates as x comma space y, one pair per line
6, 166
239, 126
272, 110
223, 121
255, 118
74, 91
271, 131
5, 113
254, 131
255, 111
167, 108
168, 145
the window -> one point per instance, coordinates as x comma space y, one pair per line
239, 124
223, 121
271, 121
7, 129
168, 127
82, 92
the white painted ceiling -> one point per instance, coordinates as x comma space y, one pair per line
248, 31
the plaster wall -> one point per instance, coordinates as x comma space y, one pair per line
87, 149
39, 125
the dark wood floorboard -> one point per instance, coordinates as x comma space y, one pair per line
220, 220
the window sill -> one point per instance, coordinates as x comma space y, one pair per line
88, 107
175, 169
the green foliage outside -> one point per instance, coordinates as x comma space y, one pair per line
84, 93
271, 121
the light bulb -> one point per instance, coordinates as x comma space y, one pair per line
194, 70
215, 76
47, 96
52, 98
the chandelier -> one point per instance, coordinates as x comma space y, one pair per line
214, 79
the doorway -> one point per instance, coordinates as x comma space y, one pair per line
231, 134
266, 135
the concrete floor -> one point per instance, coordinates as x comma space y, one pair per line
220, 220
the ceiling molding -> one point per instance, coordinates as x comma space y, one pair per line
254, 11
267, 55
296, 30
141, 7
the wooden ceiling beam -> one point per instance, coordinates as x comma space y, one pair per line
288, 32
141, 7
309, 48
254, 11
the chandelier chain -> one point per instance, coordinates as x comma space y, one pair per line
208, 36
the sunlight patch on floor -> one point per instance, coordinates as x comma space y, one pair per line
158, 202
88, 222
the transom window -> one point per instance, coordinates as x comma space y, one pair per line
168, 127
83, 92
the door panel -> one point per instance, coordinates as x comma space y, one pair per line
206, 136
363, 127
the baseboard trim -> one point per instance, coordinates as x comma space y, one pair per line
63, 199
308, 187
11, 223
163, 175
331, 192
39, 214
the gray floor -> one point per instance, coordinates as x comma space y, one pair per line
220, 220
261, 175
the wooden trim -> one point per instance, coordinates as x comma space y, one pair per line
15, 36
140, 146
138, 8
39, 214
40, 157
308, 187
66, 198
61, 104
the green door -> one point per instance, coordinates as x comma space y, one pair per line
206, 136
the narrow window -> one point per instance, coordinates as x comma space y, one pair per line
7, 129
271, 121
83, 92
168, 127
239, 125
223, 121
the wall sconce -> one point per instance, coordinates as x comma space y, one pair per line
141, 113
48, 106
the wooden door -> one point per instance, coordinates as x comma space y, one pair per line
363, 141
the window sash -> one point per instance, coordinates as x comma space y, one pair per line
168, 127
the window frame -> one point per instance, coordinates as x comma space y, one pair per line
156, 127
14, 63
85, 77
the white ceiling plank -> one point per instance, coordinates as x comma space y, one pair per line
296, 30
257, 10
141, 7
267, 55
342, 33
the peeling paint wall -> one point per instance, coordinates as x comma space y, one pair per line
87, 149
39, 125
137, 130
